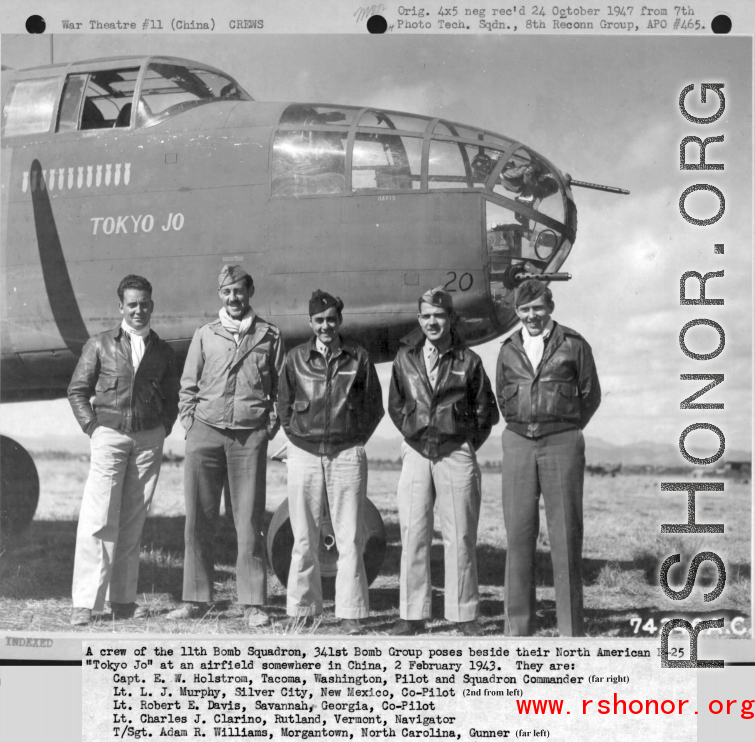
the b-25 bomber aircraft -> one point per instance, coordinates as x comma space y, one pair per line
167, 168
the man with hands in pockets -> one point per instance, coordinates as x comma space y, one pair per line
441, 401
132, 376
228, 394
330, 404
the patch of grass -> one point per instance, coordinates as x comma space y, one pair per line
613, 577
623, 550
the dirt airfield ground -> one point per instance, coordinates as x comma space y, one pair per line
622, 554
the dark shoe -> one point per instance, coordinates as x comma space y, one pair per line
402, 627
255, 617
469, 628
129, 610
351, 626
81, 616
188, 610
295, 624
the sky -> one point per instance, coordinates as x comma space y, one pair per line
603, 109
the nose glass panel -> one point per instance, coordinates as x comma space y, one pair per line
528, 231
530, 181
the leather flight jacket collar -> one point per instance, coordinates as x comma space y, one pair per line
562, 393
123, 399
460, 409
343, 347
327, 406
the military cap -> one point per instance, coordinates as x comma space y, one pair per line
529, 290
322, 300
232, 274
437, 297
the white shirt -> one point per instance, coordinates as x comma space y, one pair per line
534, 345
137, 343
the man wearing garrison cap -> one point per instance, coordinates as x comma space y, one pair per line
229, 390
441, 401
548, 390
330, 403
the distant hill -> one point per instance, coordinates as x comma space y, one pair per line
598, 451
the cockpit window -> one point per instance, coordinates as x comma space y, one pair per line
390, 151
447, 168
448, 129
307, 163
388, 120
458, 165
386, 162
30, 106
69, 113
108, 98
300, 114
97, 100
168, 89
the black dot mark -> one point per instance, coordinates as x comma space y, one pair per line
377, 24
35, 24
721, 24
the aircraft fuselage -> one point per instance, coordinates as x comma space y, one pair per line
367, 212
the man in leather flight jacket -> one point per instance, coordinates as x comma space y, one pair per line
133, 377
548, 389
330, 403
441, 401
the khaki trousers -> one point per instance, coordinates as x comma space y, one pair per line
212, 456
555, 466
118, 493
342, 478
454, 480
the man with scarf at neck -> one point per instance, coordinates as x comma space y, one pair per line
441, 401
228, 397
548, 389
133, 378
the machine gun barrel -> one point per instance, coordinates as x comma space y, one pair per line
546, 276
598, 187
515, 274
